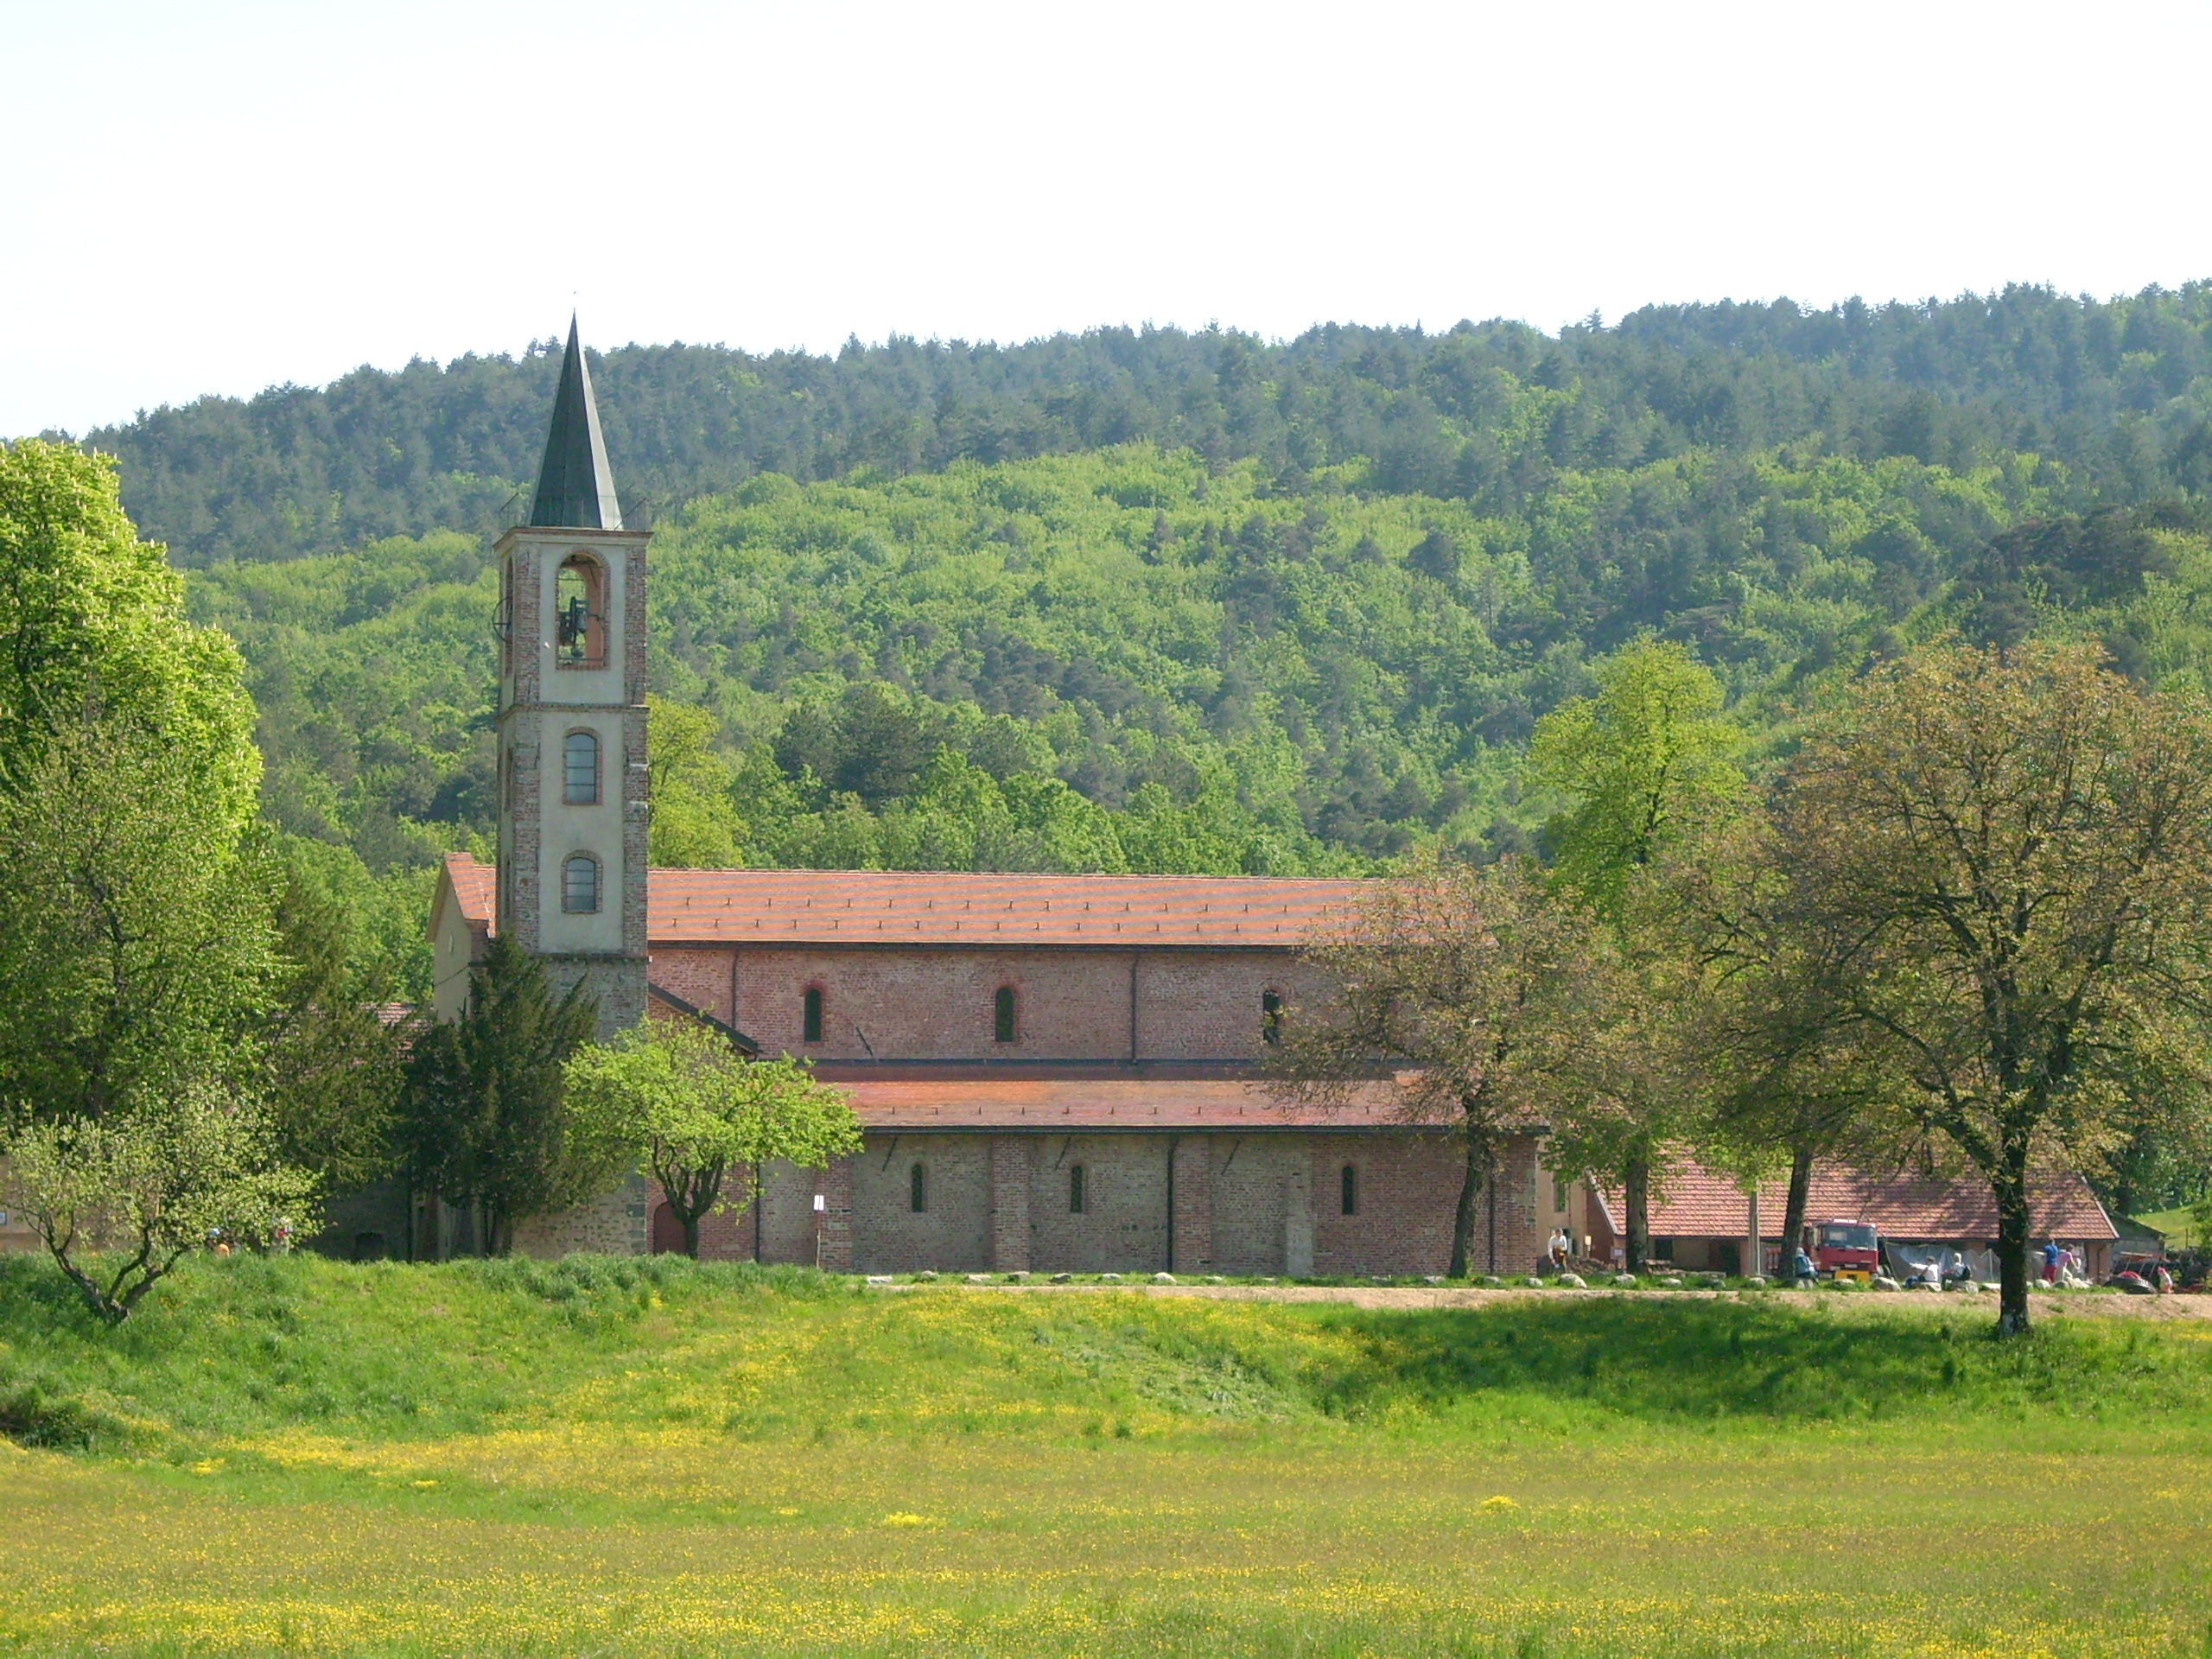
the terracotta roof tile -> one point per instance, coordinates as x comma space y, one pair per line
476, 886
1698, 1204
1092, 1105
939, 907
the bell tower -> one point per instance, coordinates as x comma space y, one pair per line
573, 791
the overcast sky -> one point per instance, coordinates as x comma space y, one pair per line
216, 197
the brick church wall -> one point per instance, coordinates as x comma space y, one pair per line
930, 1003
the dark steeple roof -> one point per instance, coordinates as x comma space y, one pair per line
576, 488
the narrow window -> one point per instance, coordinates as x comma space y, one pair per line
580, 884
580, 613
1271, 1018
917, 1191
580, 769
1075, 1189
1002, 1016
1348, 1182
811, 1023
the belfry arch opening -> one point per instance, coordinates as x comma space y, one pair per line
580, 612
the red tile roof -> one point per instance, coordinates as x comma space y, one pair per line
1098, 1104
940, 908
1698, 1204
476, 886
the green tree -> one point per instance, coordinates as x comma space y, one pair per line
134, 935
485, 1122
695, 824
93, 628
1472, 978
1646, 767
334, 1065
119, 1200
1789, 1076
2019, 847
138, 947
676, 1095
1643, 763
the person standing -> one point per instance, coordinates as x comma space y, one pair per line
2050, 1257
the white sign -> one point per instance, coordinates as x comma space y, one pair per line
820, 1204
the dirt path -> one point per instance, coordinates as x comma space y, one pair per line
2067, 1304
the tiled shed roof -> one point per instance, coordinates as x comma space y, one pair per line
1102, 1105
1698, 1204
938, 907
476, 887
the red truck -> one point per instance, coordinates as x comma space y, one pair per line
1844, 1249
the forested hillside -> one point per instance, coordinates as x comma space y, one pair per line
1163, 600
1484, 412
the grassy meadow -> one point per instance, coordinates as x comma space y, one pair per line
656, 1457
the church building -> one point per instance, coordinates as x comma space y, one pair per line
1053, 1072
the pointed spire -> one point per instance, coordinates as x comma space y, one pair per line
576, 486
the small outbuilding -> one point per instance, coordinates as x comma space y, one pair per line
1701, 1220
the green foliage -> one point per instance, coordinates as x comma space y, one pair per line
93, 628
484, 1120
332, 1063
678, 1096
135, 941
137, 949
1641, 764
147, 1185
695, 824
1487, 413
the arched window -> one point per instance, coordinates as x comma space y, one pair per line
917, 1192
580, 613
811, 1021
1350, 1183
1270, 1017
580, 769
1075, 1196
1002, 1015
580, 884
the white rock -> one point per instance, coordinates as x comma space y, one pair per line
1491, 1279
1216, 1278
979, 1278
879, 1278
1673, 1282
1163, 1278
1533, 1282
1625, 1280
1062, 1277
1883, 1282
1110, 1278
1572, 1280
926, 1273
1756, 1281
1431, 1279
1017, 1277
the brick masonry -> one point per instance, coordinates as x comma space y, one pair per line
1241, 1204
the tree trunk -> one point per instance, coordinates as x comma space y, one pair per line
2010, 1188
1463, 1220
1793, 1209
1636, 1202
